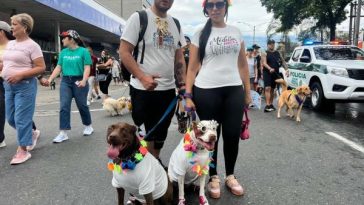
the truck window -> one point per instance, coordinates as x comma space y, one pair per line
296, 55
338, 53
306, 53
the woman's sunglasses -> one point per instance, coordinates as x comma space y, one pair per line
218, 5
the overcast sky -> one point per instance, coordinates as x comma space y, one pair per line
241, 13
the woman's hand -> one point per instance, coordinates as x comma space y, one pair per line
16, 78
43, 82
248, 98
81, 83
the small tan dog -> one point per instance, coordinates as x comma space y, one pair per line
293, 99
113, 107
127, 102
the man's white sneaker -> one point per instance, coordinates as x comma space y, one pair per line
60, 138
88, 130
3, 144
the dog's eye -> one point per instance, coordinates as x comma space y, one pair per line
203, 129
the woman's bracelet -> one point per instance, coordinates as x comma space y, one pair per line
188, 95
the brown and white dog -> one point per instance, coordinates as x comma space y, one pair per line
127, 102
190, 160
113, 107
147, 181
292, 99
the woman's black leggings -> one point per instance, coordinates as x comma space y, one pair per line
225, 105
104, 85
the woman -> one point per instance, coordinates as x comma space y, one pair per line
115, 70
253, 70
22, 61
217, 54
105, 68
92, 83
74, 63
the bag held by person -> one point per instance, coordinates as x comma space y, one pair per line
245, 134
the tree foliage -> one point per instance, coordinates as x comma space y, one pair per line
328, 13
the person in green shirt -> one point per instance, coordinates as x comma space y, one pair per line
74, 62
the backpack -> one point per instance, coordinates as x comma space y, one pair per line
143, 19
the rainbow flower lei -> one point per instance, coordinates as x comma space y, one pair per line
131, 163
228, 1
191, 150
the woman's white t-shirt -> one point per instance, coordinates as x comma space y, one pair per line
220, 64
251, 64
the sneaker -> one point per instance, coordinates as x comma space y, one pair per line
35, 138
20, 157
213, 187
88, 103
60, 138
233, 185
88, 130
272, 107
3, 144
268, 108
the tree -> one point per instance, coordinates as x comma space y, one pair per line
327, 13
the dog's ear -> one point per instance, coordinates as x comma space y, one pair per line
299, 90
131, 129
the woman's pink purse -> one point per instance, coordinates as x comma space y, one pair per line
244, 135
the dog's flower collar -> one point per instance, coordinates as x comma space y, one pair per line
191, 150
130, 163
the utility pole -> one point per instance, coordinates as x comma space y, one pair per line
254, 35
357, 23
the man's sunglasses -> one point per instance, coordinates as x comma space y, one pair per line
218, 5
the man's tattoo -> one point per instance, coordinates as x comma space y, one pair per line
179, 73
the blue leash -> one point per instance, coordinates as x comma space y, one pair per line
169, 109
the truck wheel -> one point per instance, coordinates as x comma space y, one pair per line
317, 96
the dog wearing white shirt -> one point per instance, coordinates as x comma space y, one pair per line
134, 169
191, 159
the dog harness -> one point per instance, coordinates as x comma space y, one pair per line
299, 100
131, 162
191, 150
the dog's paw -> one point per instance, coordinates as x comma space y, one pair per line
181, 201
298, 120
203, 200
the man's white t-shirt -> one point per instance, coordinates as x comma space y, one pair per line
180, 165
147, 177
220, 64
159, 54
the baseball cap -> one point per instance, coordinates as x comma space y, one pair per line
271, 41
256, 46
70, 33
250, 49
5, 26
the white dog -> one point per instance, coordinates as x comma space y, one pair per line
191, 158
114, 107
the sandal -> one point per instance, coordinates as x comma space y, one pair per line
233, 185
213, 187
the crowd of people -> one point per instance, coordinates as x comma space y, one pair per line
215, 64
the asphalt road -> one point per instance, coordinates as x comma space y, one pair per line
283, 163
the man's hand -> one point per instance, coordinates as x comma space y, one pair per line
271, 70
149, 82
81, 84
15, 78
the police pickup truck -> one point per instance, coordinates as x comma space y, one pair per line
335, 73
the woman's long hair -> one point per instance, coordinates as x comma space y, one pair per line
206, 31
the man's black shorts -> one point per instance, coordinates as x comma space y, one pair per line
269, 79
148, 108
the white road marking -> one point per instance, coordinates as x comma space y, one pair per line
346, 141
93, 110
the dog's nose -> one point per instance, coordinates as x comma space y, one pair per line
212, 138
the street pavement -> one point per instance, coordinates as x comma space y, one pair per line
284, 162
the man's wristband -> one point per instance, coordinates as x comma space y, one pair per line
187, 95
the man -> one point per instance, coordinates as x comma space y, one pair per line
272, 61
152, 85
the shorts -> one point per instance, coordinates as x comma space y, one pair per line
148, 107
269, 79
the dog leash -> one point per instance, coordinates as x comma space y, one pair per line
169, 109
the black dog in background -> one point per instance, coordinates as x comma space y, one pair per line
53, 85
